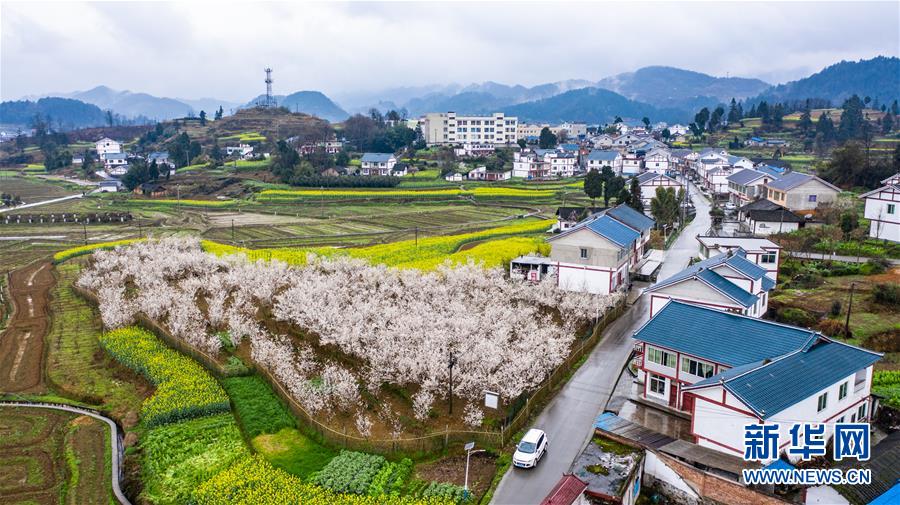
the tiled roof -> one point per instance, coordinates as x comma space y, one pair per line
760, 205
613, 230
745, 176
631, 217
770, 170
602, 155
647, 176
794, 179
376, 157
807, 370
885, 465
774, 216
722, 337
703, 270
566, 491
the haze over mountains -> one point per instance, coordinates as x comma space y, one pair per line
659, 92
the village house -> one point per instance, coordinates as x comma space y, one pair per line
728, 281
597, 159
107, 145
568, 491
113, 160
651, 181
747, 185
631, 164
567, 217
562, 163
602, 141
882, 210
161, 158
377, 164
527, 164
483, 174
151, 189
762, 218
728, 370
636, 221
454, 177
474, 150
595, 255
110, 185
658, 161
242, 151
800, 192
761, 251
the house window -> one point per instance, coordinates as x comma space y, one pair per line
767, 258
812, 198
840, 419
859, 381
658, 384
861, 413
584, 253
661, 357
891, 208
842, 391
697, 368
823, 402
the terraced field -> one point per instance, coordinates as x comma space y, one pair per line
50, 457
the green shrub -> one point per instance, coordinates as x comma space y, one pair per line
796, 317
258, 408
391, 478
886, 383
886, 294
835, 308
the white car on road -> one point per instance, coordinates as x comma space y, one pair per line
730, 207
531, 449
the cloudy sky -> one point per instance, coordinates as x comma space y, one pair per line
194, 49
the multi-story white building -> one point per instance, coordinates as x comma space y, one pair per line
599, 158
107, 145
727, 371
761, 251
453, 128
562, 163
658, 161
533, 131
883, 210
651, 181
377, 164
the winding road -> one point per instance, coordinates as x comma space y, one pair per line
569, 417
117, 451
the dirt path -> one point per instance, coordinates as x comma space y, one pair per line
22, 344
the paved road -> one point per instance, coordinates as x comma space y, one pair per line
116, 451
569, 418
45, 202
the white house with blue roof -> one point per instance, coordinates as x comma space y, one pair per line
729, 370
596, 254
377, 164
728, 281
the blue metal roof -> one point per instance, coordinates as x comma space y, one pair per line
631, 217
722, 337
603, 155
703, 270
728, 288
770, 170
377, 157
613, 230
569, 147
775, 385
890, 497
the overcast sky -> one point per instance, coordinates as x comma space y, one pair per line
194, 50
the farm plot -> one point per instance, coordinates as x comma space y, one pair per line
22, 343
52, 457
32, 190
380, 368
76, 366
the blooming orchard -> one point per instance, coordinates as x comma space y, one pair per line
380, 325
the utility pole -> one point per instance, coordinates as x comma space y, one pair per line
849, 308
417, 239
450, 363
232, 231
84, 227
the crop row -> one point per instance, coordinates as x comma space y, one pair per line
87, 249
273, 195
886, 383
350, 472
184, 203
184, 389
426, 253
253, 481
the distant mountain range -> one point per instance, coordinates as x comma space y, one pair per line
64, 112
314, 103
875, 78
658, 92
